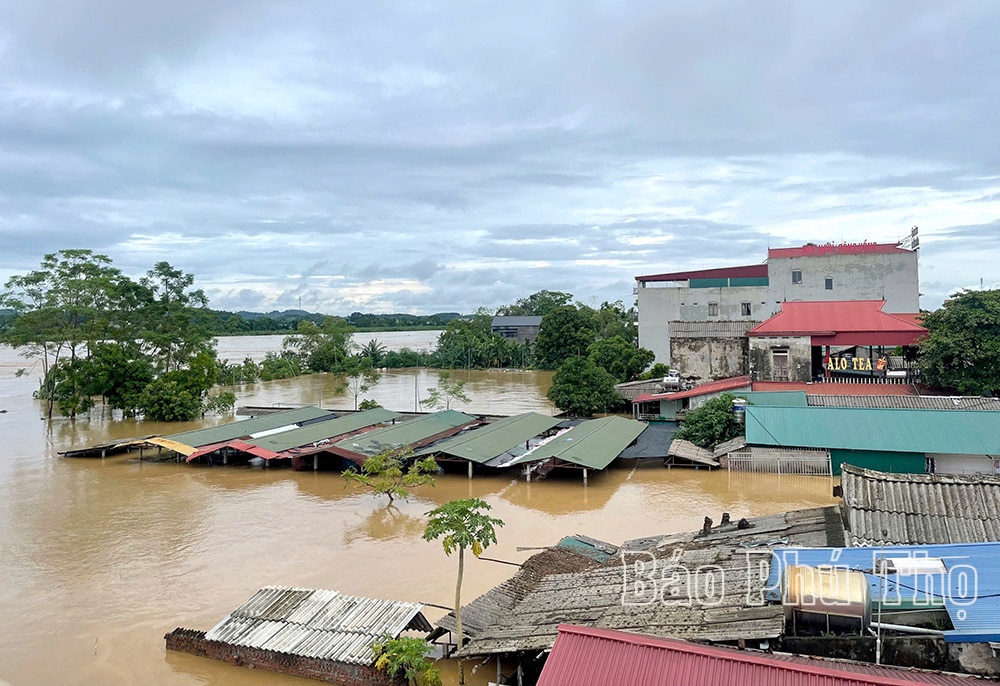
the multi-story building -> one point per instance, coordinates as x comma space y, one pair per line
697, 320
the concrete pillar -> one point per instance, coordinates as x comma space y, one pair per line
470, 469
584, 477
225, 458
315, 462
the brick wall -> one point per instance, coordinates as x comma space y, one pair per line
328, 671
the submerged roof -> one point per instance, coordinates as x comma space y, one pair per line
316, 623
235, 444
888, 430
585, 656
841, 322
908, 509
333, 428
593, 444
494, 440
969, 588
750, 271
239, 429
414, 432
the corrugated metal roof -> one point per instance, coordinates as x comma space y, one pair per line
333, 428
235, 444
593, 444
835, 388
485, 443
689, 451
517, 321
775, 398
176, 446
841, 322
316, 623
585, 656
888, 430
720, 386
750, 271
969, 590
908, 509
406, 433
710, 329
227, 432
907, 402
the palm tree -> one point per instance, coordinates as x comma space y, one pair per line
462, 524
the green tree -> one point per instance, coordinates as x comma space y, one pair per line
711, 424
369, 404
374, 351
537, 304
388, 474
565, 332
361, 378
447, 390
167, 399
177, 321
619, 357
612, 319
582, 388
962, 347
407, 658
325, 347
462, 524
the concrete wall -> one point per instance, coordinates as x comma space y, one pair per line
328, 671
657, 306
699, 400
892, 277
710, 358
799, 357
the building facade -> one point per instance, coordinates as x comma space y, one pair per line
746, 295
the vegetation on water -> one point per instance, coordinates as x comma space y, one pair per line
407, 658
711, 424
447, 390
393, 473
462, 524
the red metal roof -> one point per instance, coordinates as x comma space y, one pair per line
751, 271
836, 249
841, 322
584, 656
235, 444
834, 388
720, 386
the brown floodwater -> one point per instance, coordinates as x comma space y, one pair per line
100, 558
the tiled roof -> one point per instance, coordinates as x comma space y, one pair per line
841, 322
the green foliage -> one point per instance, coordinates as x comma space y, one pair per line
168, 400
565, 332
323, 348
582, 388
612, 319
657, 371
222, 403
369, 404
536, 305
361, 377
407, 658
447, 390
374, 352
388, 474
462, 524
711, 424
408, 358
284, 365
962, 348
619, 357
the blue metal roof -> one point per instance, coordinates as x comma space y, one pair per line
970, 590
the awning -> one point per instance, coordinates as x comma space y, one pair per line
238, 445
176, 446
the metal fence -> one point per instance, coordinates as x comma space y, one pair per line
781, 461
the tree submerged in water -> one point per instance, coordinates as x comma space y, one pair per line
388, 474
711, 424
406, 657
447, 390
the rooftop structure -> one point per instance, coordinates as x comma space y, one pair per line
727, 274
585, 656
414, 433
496, 443
593, 444
835, 389
841, 323
520, 329
271, 423
909, 509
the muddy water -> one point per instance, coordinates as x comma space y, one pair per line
100, 558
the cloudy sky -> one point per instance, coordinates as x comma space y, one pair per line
441, 156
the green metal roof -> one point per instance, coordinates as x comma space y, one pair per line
227, 432
313, 433
493, 440
592, 444
774, 398
405, 433
888, 430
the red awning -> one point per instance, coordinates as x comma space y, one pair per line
841, 322
237, 444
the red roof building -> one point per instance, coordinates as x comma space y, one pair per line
720, 386
751, 271
836, 249
841, 323
584, 656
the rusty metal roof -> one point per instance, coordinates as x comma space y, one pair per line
912, 509
316, 623
585, 656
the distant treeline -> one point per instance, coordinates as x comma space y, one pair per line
274, 322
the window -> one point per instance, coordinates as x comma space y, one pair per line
745, 309
796, 276
713, 309
829, 283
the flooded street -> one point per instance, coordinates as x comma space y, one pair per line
101, 558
